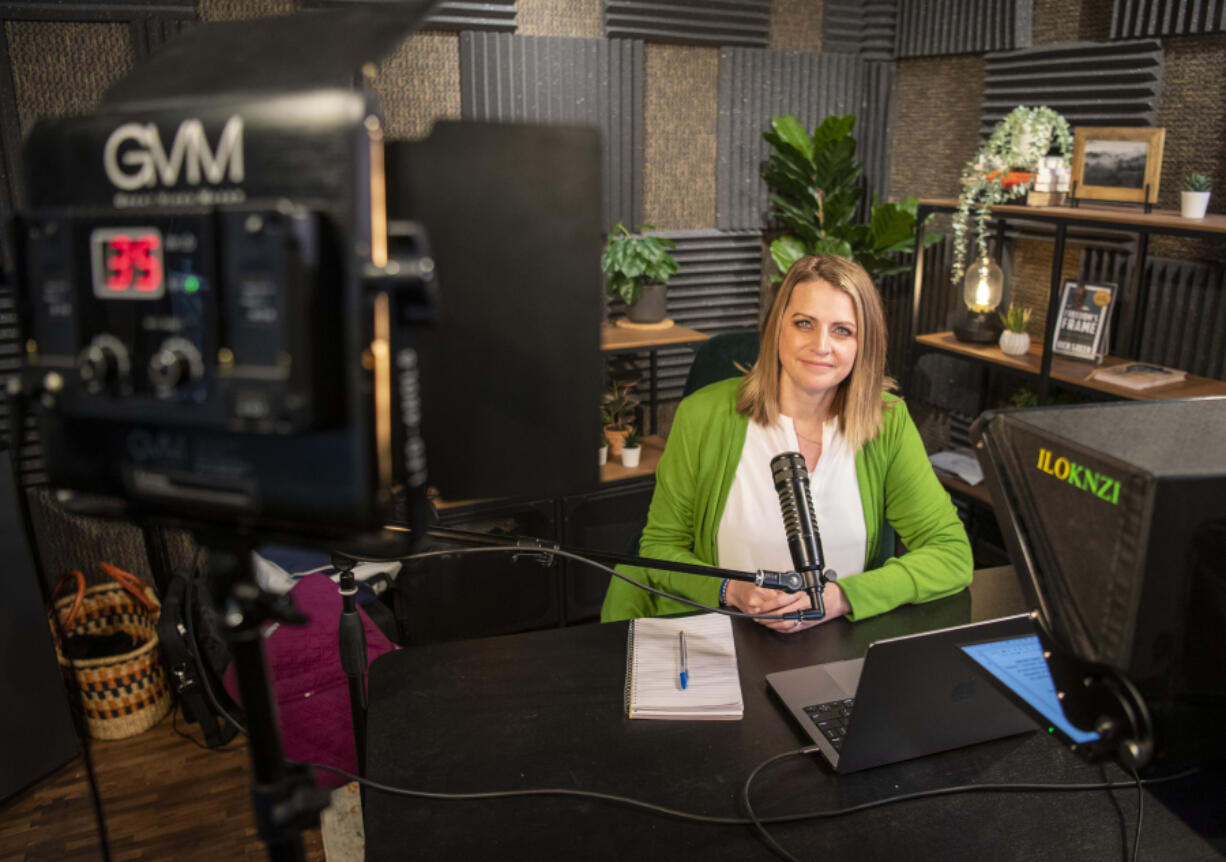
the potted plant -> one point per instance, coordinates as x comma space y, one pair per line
1015, 340
1194, 199
604, 448
816, 191
1004, 168
631, 448
637, 268
618, 410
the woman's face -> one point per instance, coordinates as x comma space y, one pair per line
818, 341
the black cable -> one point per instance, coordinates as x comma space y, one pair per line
758, 825
602, 567
1136, 842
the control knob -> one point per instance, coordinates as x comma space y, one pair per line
176, 363
104, 364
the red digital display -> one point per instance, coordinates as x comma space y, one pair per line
127, 263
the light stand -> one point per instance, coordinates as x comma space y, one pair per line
353, 654
285, 798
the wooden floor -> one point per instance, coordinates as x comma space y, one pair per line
163, 797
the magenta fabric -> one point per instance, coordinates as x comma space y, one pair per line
310, 688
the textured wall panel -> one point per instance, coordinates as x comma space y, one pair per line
694, 22
93, 10
587, 82
1062, 21
681, 106
716, 289
796, 25
491, 15
1192, 109
419, 83
864, 27
1090, 84
1133, 18
934, 124
755, 85
1184, 315
928, 27
579, 19
63, 68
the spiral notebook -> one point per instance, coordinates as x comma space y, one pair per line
653, 669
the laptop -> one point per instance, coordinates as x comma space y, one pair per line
908, 697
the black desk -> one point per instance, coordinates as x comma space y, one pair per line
545, 710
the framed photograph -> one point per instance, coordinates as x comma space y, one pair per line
1083, 319
1116, 164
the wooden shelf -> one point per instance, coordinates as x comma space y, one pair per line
1109, 216
615, 470
1073, 371
615, 338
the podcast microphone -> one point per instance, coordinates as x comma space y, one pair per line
792, 484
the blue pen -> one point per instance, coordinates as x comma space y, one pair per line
685, 666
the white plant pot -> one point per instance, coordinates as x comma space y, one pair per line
1014, 343
604, 455
1193, 204
630, 455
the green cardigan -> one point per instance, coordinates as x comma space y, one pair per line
695, 475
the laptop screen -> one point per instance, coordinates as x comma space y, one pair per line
1018, 664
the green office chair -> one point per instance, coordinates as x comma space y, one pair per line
717, 359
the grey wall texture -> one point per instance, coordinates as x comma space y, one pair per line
932, 27
1089, 84
756, 85
551, 79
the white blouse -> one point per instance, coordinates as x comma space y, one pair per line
751, 534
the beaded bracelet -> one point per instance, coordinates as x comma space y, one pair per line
723, 594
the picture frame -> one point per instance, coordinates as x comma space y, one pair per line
1084, 319
1117, 163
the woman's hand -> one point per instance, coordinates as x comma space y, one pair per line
755, 600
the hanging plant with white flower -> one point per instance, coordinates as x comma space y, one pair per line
1002, 169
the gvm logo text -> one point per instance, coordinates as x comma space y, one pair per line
135, 158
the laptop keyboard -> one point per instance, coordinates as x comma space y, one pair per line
831, 719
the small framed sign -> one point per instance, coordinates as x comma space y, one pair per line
1117, 164
1083, 319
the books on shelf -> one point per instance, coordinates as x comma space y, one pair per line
1083, 322
1138, 375
654, 662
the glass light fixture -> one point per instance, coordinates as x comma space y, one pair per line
981, 292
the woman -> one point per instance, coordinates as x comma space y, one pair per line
818, 389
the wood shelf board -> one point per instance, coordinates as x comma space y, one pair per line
1108, 216
958, 486
614, 470
613, 337
1074, 371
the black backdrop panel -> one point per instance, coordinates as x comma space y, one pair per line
36, 733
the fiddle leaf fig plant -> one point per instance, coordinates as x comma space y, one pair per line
629, 260
816, 191
1003, 169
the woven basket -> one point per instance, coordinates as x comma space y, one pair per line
122, 695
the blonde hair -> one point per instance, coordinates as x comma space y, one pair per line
857, 403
